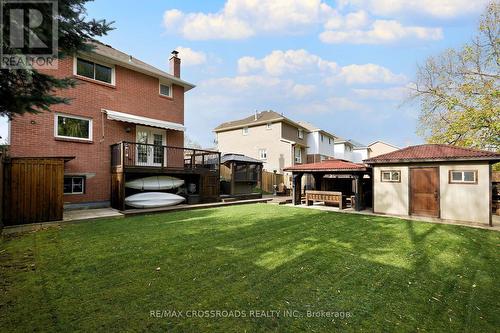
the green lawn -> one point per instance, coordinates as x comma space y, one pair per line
387, 274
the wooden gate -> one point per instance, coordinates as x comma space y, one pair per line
33, 190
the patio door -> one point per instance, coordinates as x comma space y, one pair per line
424, 191
150, 142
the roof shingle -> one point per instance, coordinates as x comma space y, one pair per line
433, 152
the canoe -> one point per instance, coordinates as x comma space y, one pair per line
155, 183
153, 200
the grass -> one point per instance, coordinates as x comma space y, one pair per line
388, 274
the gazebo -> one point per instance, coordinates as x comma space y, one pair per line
334, 180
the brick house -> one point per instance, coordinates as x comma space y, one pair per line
121, 101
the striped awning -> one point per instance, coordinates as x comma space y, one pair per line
131, 118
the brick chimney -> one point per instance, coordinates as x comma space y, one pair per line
175, 64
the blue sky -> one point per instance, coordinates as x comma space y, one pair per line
342, 65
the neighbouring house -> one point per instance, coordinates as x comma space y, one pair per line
360, 151
320, 143
343, 149
268, 136
377, 148
125, 120
434, 180
241, 175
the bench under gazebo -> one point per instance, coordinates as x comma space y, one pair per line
335, 182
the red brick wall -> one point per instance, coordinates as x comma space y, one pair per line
134, 93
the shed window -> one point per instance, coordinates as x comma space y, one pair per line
463, 177
74, 184
391, 176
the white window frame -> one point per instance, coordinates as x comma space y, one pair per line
75, 58
56, 126
165, 84
462, 181
297, 159
300, 133
83, 185
321, 137
263, 154
268, 126
244, 130
391, 178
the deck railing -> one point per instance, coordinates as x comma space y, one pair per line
132, 154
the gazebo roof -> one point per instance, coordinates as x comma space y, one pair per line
328, 165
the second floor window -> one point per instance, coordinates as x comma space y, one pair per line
298, 155
321, 137
165, 90
94, 71
300, 134
245, 130
73, 127
263, 154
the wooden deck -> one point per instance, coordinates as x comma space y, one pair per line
130, 212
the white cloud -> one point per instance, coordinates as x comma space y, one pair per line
285, 62
368, 74
191, 57
391, 94
354, 20
381, 31
240, 19
435, 8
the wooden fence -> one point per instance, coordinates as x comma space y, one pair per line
33, 189
269, 179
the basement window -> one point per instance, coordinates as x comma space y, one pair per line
391, 176
74, 184
463, 177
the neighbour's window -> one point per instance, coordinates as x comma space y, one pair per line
329, 141
73, 127
245, 130
298, 155
300, 134
391, 176
74, 184
94, 71
463, 177
321, 137
263, 154
165, 90
268, 126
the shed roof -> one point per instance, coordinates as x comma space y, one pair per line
239, 158
434, 153
328, 165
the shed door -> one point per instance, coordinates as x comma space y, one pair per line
424, 191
